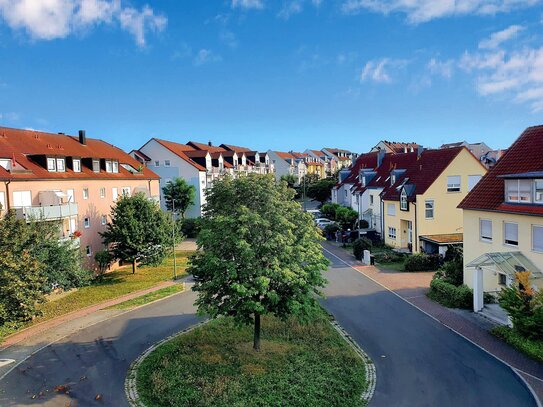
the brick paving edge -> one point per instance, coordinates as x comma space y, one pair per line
130, 384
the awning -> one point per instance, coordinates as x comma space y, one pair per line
508, 263
444, 239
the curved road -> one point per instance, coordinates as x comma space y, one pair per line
419, 361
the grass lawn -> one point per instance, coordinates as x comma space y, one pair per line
115, 284
531, 348
147, 298
215, 365
396, 266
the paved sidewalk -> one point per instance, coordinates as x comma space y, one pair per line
413, 287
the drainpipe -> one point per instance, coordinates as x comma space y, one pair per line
8, 203
382, 219
416, 238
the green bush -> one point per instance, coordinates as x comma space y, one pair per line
532, 348
330, 230
329, 210
190, 227
450, 295
360, 245
453, 272
388, 257
422, 262
526, 311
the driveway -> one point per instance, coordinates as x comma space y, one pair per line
419, 361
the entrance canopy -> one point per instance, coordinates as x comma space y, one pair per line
508, 263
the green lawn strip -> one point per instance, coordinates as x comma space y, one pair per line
147, 298
531, 348
215, 365
395, 266
115, 284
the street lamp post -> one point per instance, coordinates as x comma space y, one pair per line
173, 240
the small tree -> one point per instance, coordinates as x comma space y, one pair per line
138, 232
346, 216
329, 210
104, 260
179, 195
321, 190
261, 253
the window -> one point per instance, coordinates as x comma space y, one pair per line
61, 165
115, 166
167, 163
2, 201
85, 193
51, 165
485, 230
109, 166
502, 279
391, 209
537, 238
453, 183
102, 192
518, 190
157, 163
392, 233
104, 219
87, 223
510, 233
538, 187
392, 179
96, 165
429, 209
114, 193
403, 201
77, 165
88, 250
126, 191
22, 199
371, 199
473, 180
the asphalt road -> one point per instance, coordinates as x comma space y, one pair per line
419, 362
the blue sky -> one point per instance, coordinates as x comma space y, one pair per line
280, 74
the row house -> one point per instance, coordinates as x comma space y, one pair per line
503, 220
286, 163
72, 180
313, 165
330, 163
395, 147
483, 152
344, 158
199, 164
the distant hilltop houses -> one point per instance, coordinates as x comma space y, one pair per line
77, 179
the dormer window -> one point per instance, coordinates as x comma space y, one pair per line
51, 164
392, 179
109, 166
96, 165
538, 190
404, 205
61, 165
518, 190
76, 163
115, 167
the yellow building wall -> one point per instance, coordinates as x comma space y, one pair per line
475, 247
447, 217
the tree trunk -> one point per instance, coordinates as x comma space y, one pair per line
134, 266
256, 342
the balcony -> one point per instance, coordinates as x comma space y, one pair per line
53, 212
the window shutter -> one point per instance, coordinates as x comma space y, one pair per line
486, 229
511, 233
537, 238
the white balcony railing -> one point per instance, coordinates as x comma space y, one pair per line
53, 212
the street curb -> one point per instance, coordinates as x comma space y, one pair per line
130, 384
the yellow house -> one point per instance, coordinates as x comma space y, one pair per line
419, 204
314, 167
503, 220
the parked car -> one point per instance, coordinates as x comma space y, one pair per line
323, 222
315, 212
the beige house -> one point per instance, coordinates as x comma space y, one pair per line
74, 180
503, 220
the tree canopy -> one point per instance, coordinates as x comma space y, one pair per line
179, 194
321, 190
139, 232
261, 253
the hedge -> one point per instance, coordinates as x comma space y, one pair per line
360, 245
423, 262
450, 295
532, 348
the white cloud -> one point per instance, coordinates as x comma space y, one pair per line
290, 8
442, 68
52, 19
378, 70
419, 11
497, 38
205, 56
229, 38
248, 4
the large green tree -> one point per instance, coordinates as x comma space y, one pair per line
139, 232
179, 195
321, 190
260, 253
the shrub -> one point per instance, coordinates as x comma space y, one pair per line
190, 227
330, 230
453, 272
346, 216
389, 257
526, 311
360, 245
533, 349
329, 210
450, 295
422, 262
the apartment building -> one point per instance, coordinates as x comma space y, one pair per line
199, 164
503, 219
74, 180
330, 163
395, 147
483, 152
286, 163
344, 158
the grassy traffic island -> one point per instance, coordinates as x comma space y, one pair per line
215, 365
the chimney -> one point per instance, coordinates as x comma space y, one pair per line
405, 149
420, 149
82, 137
380, 157
209, 143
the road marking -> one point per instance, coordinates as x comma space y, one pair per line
514, 369
5, 362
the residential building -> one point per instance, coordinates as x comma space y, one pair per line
395, 147
73, 180
419, 202
199, 164
286, 163
344, 158
330, 162
503, 219
483, 152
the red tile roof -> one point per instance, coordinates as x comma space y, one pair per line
181, 151
525, 155
399, 147
237, 149
203, 146
23, 144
